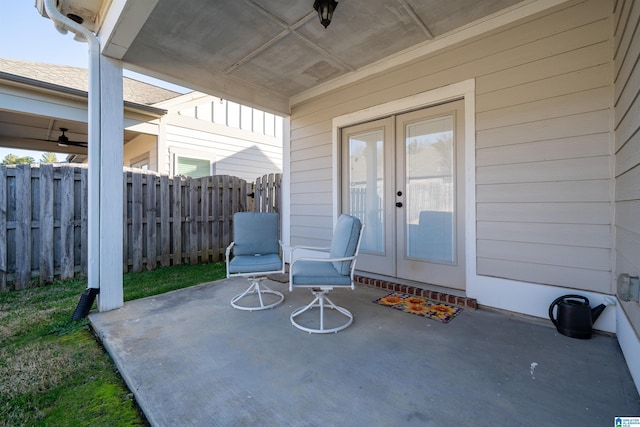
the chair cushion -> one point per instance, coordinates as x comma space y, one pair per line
253, 264
317, 273
345, 241
256, 233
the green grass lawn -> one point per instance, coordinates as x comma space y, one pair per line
53, 371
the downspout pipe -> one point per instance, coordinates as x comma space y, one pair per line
64, 22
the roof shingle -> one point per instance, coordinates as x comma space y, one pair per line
77, 78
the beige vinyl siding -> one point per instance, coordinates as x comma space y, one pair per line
543, 143
233, 151
627, 144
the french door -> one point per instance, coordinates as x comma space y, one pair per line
403, 176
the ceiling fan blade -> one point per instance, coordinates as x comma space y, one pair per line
75, 144
65, 143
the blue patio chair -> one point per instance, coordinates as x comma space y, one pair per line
322, 275
254, 253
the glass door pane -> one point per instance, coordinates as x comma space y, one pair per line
367, 191
366, 186
430, 190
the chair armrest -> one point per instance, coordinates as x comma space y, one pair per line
350, 258
228, 251
317, 248
226, 258
311, 248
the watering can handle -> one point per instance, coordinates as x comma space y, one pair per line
557, 300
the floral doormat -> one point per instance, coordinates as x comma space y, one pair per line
419, 306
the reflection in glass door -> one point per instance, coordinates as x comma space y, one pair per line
430, 190
367, 152
366, 162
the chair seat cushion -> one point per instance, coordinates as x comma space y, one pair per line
255, 263
317, 273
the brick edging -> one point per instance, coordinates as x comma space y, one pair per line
412, 290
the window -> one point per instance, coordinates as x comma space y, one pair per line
195, 168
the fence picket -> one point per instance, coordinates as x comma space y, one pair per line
150, 215
177, 220
84, 220
23, 226
67, 259
225, 218
193, 220
205, 221
136, 222
46, 223
216, 239
165, 225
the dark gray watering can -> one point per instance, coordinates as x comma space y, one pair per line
574, 317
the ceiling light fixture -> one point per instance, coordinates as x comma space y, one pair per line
325, 10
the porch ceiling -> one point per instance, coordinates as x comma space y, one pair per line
264, 52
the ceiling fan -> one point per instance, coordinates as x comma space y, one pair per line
63, 140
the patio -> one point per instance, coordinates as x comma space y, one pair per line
191, 359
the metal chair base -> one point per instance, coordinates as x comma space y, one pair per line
320, 301
259, 289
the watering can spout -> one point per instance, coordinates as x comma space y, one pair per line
596, 312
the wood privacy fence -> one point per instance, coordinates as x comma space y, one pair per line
167, 220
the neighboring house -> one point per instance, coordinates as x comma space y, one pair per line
178, 134
528, 112
202, 135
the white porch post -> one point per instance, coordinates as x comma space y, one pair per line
106, 130
107, 169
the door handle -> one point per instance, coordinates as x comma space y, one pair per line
399, 204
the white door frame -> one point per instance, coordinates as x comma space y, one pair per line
466, 91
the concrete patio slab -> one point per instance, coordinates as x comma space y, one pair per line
192, 360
